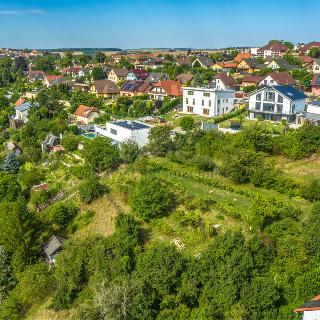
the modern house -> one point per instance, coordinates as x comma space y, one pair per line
315, 84
242, 55
276, 103
208, 102
310, 309
85, 115
166, 88
203, 62
125, 130
52, 247
137, 75
22, 111
312, 113
223, 81
104, 88
49, 142
278, 79
129, 88
118, 74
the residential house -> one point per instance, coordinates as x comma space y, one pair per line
19, 102
204, 62
278, 78
118, 74
85, 115
242, 55
129, 88
166, 88
276, 103
310, 310
84, 87
51, 80
22, 111
224, 66
316, 66
36, 76
75, 72
150, 63
137, 75
124, 131
208, 102
315, 85
312, 114
185, 78
250, 65
305, 48
144, 88
13, 148
105, 88
281, 64
155, 77
50, 142
185, 61
249, 80
223, 81
274, 49
52, 247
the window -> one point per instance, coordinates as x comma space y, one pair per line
190, 93
258, 97
209, 103
113, 131
202, 102
279, 108
270, 96
293, 108
190, 109
187, 101
268, 107
258, 106
206, 94
193, 101
280, 99
205, 112
218, 102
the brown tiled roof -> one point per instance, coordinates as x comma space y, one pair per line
252, 79
84, 111
227, 80
106, 86
283, 78
121, 72
145, 87
52, 78
184, 77
305, 59
274, 46
227, 64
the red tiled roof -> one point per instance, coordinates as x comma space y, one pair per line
274, 46
226, 79
84, 111
308, 46
242, 55
19, 102
305, 59
52, 78
283, 78
227, 64
140, 73
171, 87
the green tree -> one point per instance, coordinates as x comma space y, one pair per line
151, 198
70, 142
187, 123
314, 52
97, 73
160, 141
101, 155
100, 57
129, 151
91, 189
11, 163
7, 281
61, 215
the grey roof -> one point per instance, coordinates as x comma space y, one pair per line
52, 245
315, 103
290, 92
156, 77
254, 63
23, 107
106, 86
312, 116
208, 62
132, 125
120, 72
284, 64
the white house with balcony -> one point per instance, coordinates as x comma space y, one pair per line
208, 102
124, 131
276, 103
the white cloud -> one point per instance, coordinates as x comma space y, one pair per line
21, 12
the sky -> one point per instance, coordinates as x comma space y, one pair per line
154, 24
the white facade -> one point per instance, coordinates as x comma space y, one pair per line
219, 85
123, 131
272, 105
316, 66
207, 101
311, 315
254, 51
313, 108
268, 81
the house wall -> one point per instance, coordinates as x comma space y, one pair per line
268, 81
131, 76
88, 119
218, 84
22, 115
218, 102
311, 315
315, 90
273, 65
316, 68
121, 134
276, 113
113, 77
313, 109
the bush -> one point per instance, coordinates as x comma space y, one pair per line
91, 189
187, 123
203, 163
151, 198
129, 152
311, 191
61, 215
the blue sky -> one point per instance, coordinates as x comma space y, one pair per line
160, 23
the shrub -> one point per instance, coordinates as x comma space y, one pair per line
62, 214
129, 152
187, 123
91, 189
